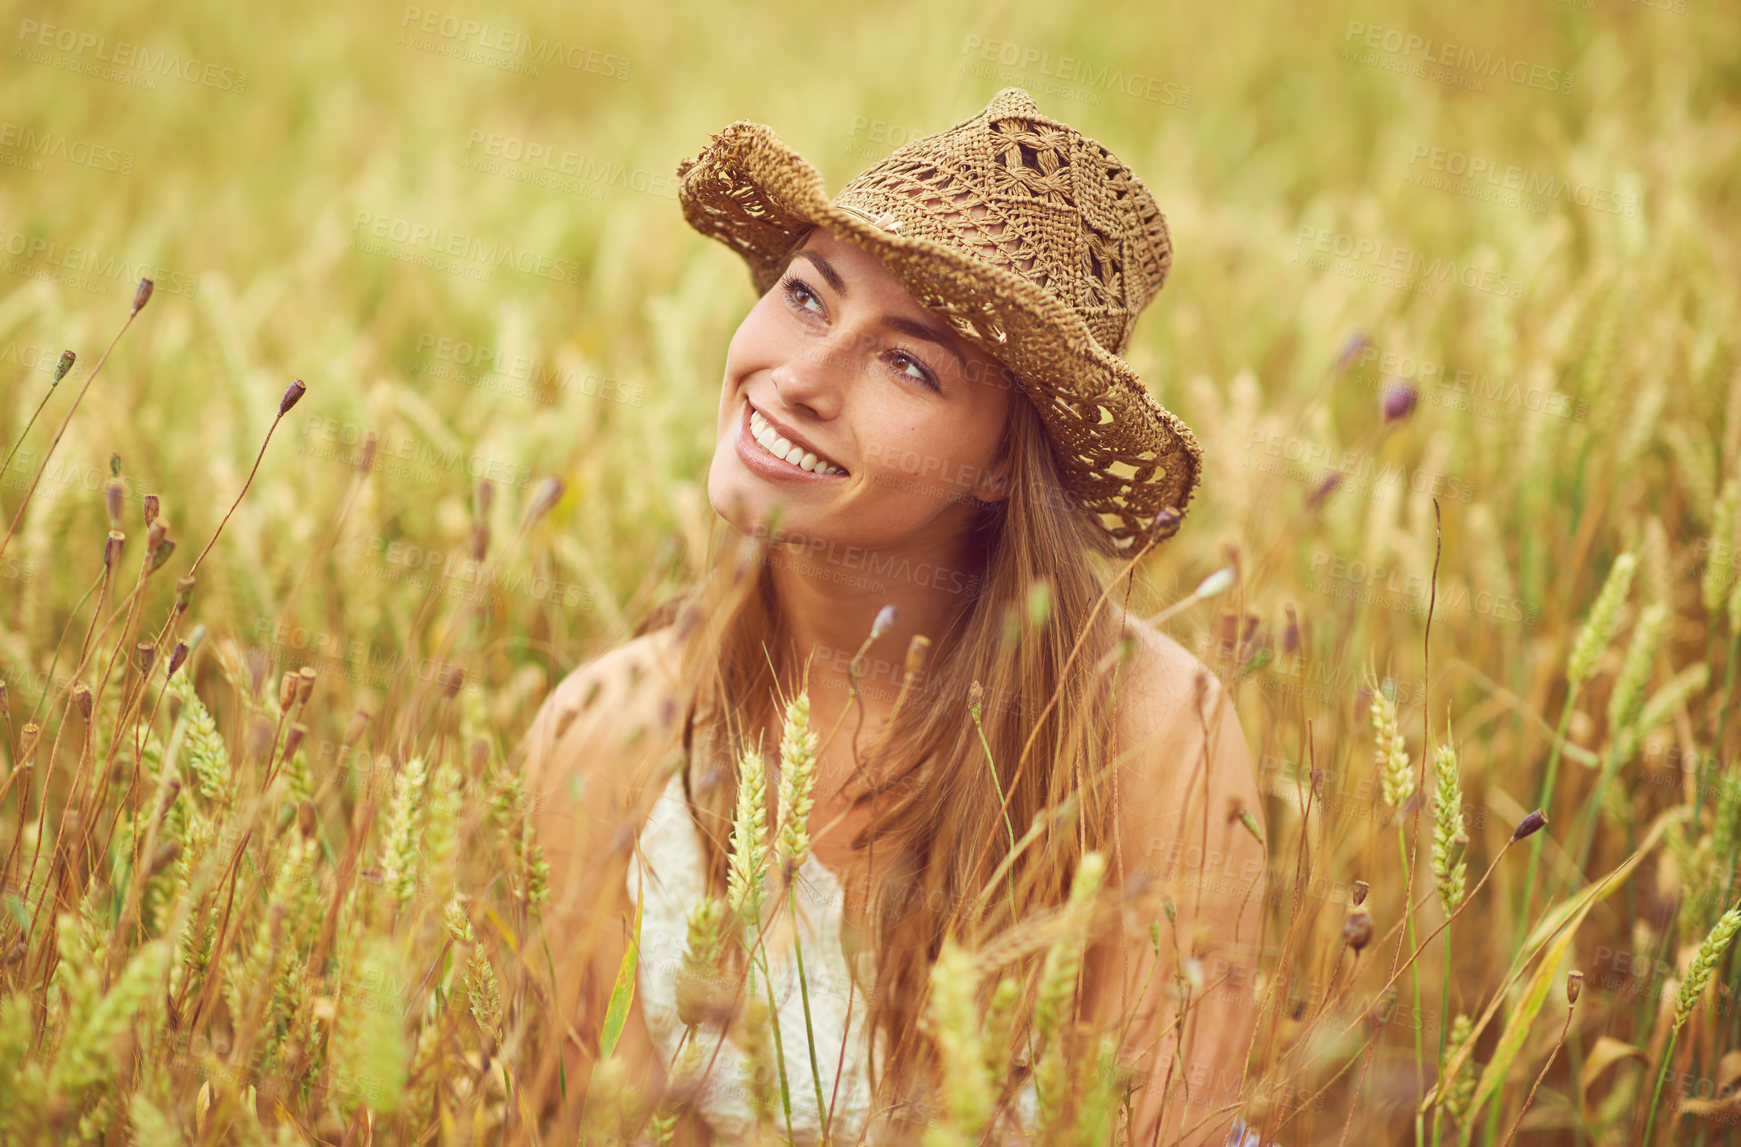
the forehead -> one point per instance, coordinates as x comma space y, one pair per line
855, 261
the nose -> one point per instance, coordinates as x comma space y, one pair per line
814, 376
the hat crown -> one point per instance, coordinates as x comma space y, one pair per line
1017, 189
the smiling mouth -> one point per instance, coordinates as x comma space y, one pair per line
772, 443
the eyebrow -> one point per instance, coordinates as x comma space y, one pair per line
907, 326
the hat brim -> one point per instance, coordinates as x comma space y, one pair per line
1123, 456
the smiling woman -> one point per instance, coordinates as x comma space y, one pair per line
935, 470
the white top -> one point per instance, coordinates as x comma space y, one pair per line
674, 884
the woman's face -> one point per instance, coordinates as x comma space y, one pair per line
847, 367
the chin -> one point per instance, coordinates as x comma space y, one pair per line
741, 502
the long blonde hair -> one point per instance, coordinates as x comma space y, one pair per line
940, 832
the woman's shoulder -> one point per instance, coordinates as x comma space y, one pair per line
613, 701
1173, 709
1163, 682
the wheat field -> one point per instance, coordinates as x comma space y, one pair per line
416, 416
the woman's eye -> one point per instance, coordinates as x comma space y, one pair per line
919, 373
797, 291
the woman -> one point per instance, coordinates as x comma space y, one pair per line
925, 410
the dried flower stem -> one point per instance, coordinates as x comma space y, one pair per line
25, 433
49, 453
255, 469
1543, 1074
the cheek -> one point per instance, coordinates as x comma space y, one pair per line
753, 337
928, 457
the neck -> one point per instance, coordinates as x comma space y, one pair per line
828, 600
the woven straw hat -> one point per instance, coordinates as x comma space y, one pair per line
1030, 240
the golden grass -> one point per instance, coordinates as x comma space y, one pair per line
256, 903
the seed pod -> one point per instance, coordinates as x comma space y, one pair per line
1529, 825
1226, 630
1357, 929
304, 684
143, 655
1350, 350
306, 822
451, 680
1399, 399
162, 554
1324, 489
286, 690
366, 456
163, 857
1166, 523
1574, 986
918, 650
2, 694
176, 658
480, 541
292, 395
27, 741
1248, 638
359, 721
67, 358
112, 549
82, 698
155, 534
549, 493
1291, 634
293, 741
142, 295
1357, 894
183, 592
150, 507
114, 494
1216, 583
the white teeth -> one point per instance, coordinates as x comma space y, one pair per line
774, 443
